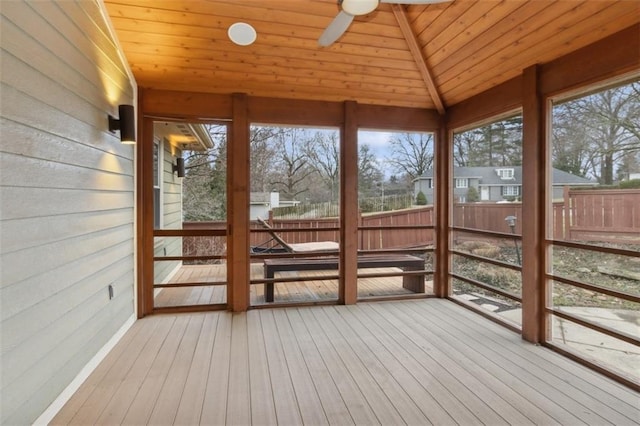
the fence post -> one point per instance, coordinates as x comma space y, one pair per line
360, 232
566, 233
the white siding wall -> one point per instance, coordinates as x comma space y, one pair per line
66, 199
171, 188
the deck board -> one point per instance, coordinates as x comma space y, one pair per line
192, 399
334, 406
439, 388
487, 384
214, 408
287, 410
613, 398
405, 362
311, 409
262, 402
356, 403
563, 400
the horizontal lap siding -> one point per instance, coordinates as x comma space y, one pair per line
171, 216
66, 200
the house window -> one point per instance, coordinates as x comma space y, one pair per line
431, 184
462, 183
156, 185
510, 191
505, 173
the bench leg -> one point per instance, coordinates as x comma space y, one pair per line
414, 283
268, 292
268, 287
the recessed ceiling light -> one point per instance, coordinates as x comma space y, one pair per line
242, 34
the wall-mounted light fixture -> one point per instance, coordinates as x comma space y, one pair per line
179, 166
126, 124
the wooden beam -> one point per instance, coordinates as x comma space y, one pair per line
348, 286
182, 105
238, 185
397, 118
616, 55
488, 105
295, 112
418, 57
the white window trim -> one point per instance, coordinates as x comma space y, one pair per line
510, 191
506, 174
160, 168
462, 182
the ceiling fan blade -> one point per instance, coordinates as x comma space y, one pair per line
336, 28
414, 1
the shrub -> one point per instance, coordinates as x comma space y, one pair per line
421, 199
472, 195
630, 184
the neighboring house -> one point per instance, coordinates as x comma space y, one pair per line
170, 140
493, 183
262, 202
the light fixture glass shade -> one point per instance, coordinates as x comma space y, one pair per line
242, 34
359, 7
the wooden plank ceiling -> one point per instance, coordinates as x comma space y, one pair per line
462, 47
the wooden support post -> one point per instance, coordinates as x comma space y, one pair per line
144, 213
348, 285
533, 207
441, 284
238, 261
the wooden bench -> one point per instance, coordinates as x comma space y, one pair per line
405, 262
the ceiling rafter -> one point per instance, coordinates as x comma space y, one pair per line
416, 52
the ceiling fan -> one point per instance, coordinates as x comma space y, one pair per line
352, 8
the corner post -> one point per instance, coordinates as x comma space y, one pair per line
144, 211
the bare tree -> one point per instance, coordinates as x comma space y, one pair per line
263, 157
292, 163
324, 155
411, 153
204, 185
369, 173
600, 132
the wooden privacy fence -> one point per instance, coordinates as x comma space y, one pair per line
374, 239
487, 216
602, 215
370, 239
584, 215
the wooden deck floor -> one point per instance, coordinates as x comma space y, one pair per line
407, 362
303, 291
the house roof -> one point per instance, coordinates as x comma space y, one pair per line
184, 136
426, 56
489, 176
